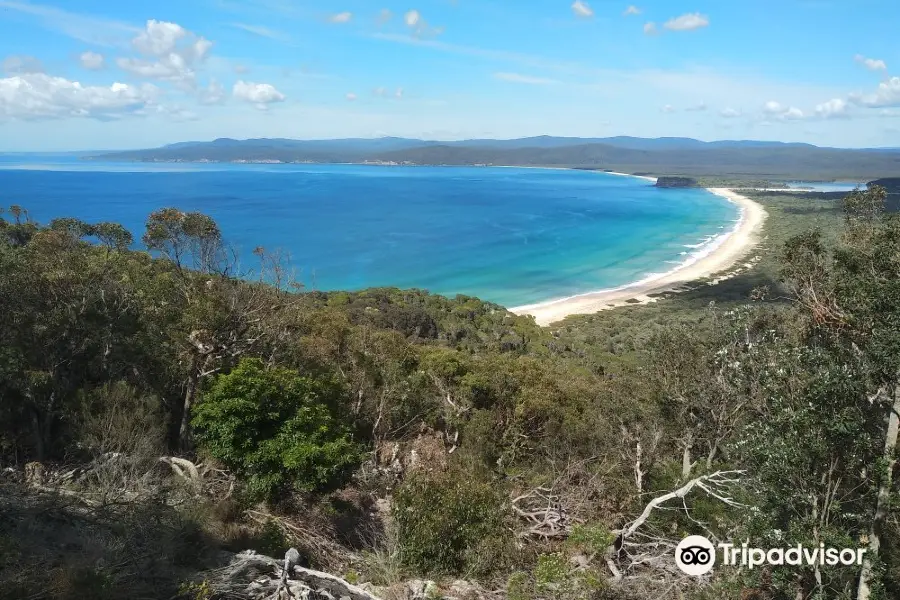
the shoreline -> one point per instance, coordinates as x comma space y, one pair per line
719, 255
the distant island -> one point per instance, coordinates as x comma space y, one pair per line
739, 159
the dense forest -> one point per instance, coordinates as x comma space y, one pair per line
163, 412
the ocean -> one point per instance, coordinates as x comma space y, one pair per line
513, 236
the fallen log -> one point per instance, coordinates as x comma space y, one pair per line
253, 576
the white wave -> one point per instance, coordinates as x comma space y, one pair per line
702, 251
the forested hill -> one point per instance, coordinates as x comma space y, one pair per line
659, 156
766, 161
159, 414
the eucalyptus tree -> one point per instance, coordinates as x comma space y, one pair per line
221, 316
824, 445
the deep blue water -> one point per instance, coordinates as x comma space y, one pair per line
512, 236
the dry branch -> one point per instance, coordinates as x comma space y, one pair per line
544, 515
254, 576
315, 541
714, 484
634, 550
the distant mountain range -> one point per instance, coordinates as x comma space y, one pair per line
683, 156
390, 144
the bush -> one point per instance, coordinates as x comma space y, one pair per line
117, 418
452, 523
277, 429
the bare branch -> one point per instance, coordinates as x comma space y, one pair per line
713, 484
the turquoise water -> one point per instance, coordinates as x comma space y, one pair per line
512, 236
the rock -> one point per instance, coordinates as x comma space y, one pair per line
464, 590
422, 589
11, 474
579, 561
34, 473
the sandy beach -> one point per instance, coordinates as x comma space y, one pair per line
723, 254
653, 179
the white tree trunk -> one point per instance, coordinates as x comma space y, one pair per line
686, 462
882, 504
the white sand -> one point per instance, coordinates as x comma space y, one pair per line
653, 179
720, 255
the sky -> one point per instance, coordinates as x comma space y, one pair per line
104, 74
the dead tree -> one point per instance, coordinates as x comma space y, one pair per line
259, 577
545, 516
633, 548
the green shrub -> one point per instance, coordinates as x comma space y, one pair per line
519, 586
277, 429
452, 523
551, 570
590, 539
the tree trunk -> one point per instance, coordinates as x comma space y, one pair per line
882, 504
40, 451
712, 456
184, 431
638, 472
686, 463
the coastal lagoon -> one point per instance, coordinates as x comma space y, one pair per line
513, 236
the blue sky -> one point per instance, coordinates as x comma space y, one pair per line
98, 74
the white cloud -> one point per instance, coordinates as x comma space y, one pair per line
383, 92
351, 96
384, 16
632, 10
668, 108
258, 94
85, 28
158, 38
773, 108
687, 22
419, 25
581, 9
40, 96
871, 64
698, 107
517, 78
412, 18
650, 28
214, 93
175, 113
730, 113
241, 69
784, 113
677, 86
91, 61
886, 96
833, 109
154, 70
173, 51
262, 31
21, 64
343, 17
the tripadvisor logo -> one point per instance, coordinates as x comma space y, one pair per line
696, 555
